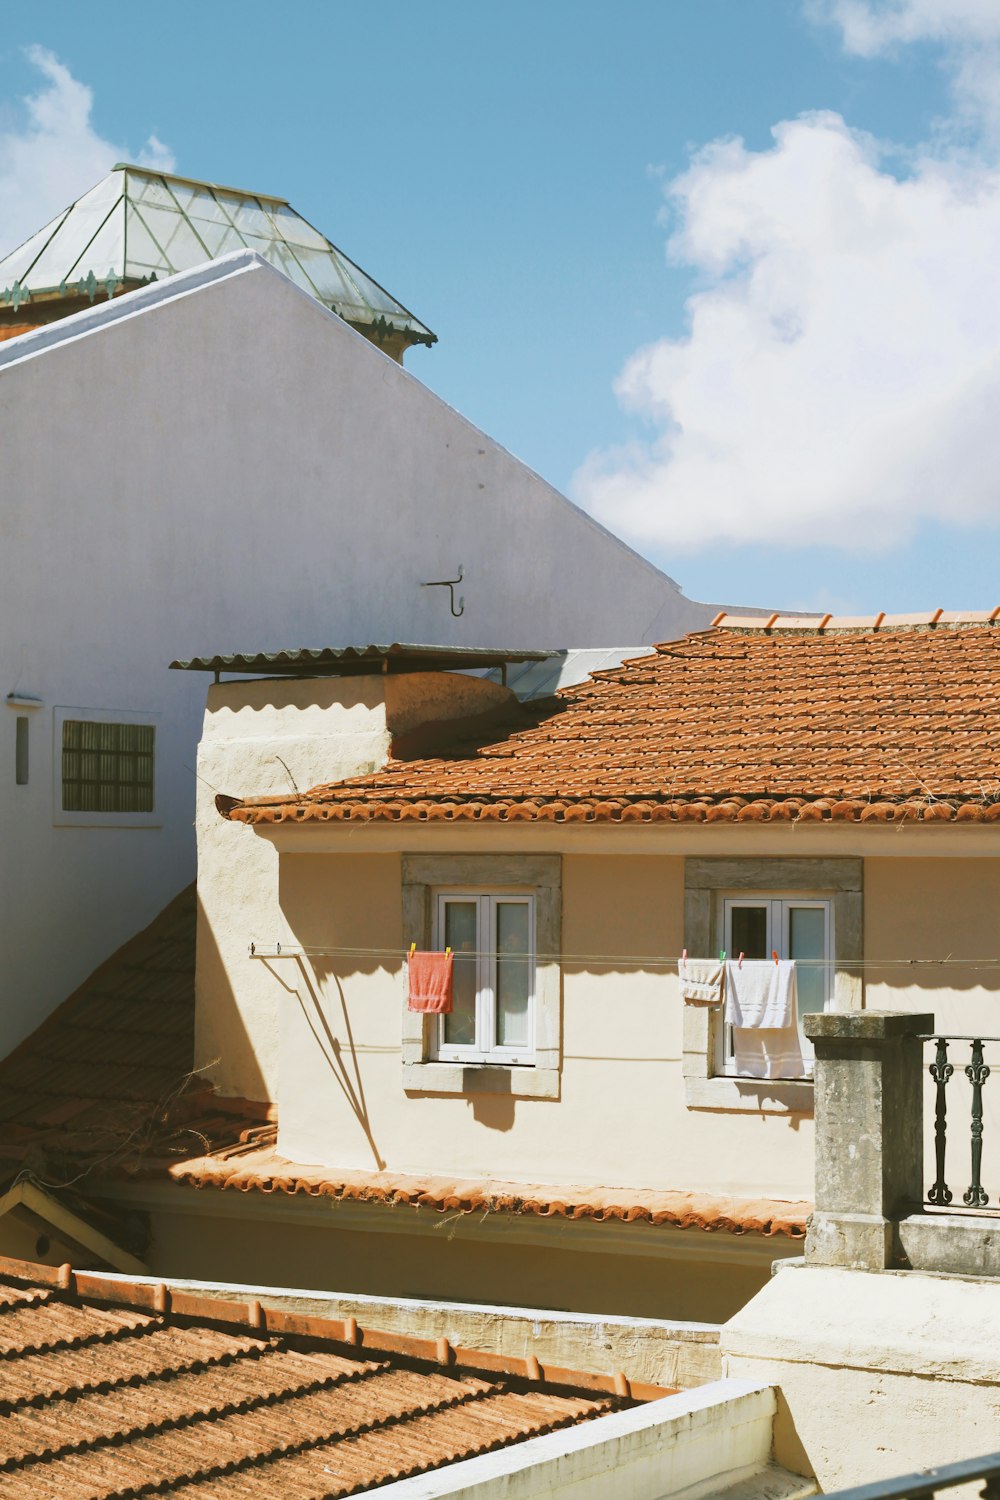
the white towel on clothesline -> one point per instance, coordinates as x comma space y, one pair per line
701, 980
762, 1008
769, 1052
761, 993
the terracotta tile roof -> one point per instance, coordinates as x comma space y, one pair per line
141, 1114
115, 1388
107, 1079
838, 721
109, 1074
116, 1048
256, 1167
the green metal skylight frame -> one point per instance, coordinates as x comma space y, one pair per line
137, 225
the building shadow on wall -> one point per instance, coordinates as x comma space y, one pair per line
495, 1111
220, 1031
343, 1064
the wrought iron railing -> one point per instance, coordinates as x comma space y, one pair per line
916, 1486
942, 1070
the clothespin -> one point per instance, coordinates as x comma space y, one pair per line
774, 955
413, 949
740, 965
722, 956
684, 956
447, 953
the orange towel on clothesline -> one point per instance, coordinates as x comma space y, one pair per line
431, 987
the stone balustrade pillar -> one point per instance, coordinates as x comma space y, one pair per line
869, 1134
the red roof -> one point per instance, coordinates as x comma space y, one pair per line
813, 723
254, 1166
106, 1072
113, 1388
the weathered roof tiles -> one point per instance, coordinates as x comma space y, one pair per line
256, 1167
114, 1389
817, 723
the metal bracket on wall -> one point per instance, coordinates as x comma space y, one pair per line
449, 584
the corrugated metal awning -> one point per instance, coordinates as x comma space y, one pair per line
345, 661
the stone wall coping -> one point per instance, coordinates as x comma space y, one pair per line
900, 1322
866, 1025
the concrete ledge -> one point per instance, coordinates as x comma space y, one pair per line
898, 1322
455, 1078
864, 1242
879, 1374
697, 1444
649, 1351
749, 1095
865, 1025
961, 1244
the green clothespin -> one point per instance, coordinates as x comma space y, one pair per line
722, 956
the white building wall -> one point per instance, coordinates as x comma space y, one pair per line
699, 1445
217, 464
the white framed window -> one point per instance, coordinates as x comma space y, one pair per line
505, 1036
778, 884
492, 938
104, 768
793, 927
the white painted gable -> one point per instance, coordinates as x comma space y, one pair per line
217, 463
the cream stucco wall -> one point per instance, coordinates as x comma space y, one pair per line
256, 736
621, 1117
664, 1273
925, 908
942, 909
280, 733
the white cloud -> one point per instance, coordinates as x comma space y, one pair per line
966, 31
872, 26
839, 381
53, 153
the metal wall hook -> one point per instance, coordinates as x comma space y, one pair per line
449, 584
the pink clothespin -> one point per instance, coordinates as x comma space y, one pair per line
684, 956
740, 964
774, 955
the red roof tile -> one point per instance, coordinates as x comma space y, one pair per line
731, 725
262, 1170
114, 1388
111, 1059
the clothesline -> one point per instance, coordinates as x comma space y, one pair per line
294, 950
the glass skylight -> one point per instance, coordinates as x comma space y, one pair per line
137, 226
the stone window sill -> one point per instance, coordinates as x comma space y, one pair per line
480, 1078
767, 1096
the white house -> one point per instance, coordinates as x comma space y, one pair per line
218, 461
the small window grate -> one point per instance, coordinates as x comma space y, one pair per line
107, 767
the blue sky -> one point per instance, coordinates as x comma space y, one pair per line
513, 174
